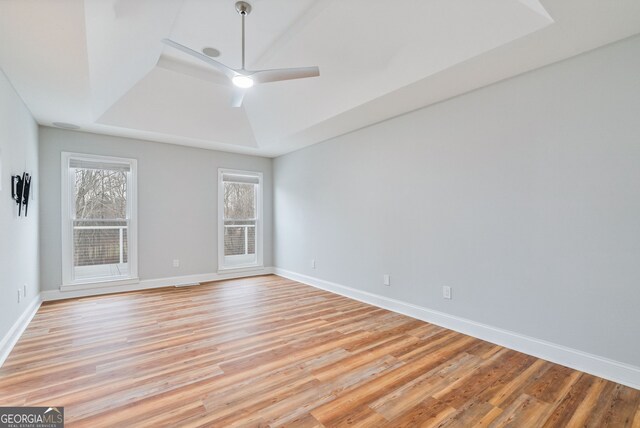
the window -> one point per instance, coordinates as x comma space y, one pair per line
240, 215
98, 219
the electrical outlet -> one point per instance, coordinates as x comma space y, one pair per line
386, 280
313, 263
19, 295
446, 292
176, 263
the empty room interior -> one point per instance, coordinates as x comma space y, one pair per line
319, 213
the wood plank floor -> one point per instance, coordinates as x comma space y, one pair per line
267, 351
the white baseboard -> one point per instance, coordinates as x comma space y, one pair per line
593, 364
11, 338
145, 284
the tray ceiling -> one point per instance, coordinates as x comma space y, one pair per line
100, 64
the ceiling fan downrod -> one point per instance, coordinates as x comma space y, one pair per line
243, 8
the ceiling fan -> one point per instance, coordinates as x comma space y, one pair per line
242, 78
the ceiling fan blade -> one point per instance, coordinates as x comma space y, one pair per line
265, 76
229, 72
238, 96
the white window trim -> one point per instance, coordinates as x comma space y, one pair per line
259, 222
67, 223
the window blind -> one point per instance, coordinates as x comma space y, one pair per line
105, 165
236, 178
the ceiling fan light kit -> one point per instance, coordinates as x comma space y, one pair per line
242, 78
242, 81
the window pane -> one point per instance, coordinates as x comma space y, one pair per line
251, 240
99, 243
239, 238
100, 194
100, 225
239, 201
240, 219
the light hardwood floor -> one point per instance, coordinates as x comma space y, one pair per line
267, 351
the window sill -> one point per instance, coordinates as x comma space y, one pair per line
98, 284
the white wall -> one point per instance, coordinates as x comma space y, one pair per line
18, 235
177, 202
523, 196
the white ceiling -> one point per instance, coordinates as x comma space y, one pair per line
100, 64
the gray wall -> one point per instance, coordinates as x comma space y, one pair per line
18, 235
523, 196
177, 202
